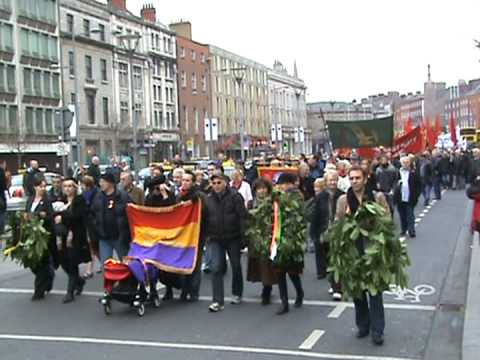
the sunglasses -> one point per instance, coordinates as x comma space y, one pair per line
217, 182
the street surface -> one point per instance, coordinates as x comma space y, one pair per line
424, 323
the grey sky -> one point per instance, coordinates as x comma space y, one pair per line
345, 49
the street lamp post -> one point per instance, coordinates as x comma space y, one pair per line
238, 74
130, 48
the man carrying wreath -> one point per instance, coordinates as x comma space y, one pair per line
369, 313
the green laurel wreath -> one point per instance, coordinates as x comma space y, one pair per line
28, 244
385, 259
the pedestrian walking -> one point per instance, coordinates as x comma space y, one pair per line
111, 223
426, 177
3, 198
89, 190
369, 309
387, 176
39, 206
94, 170
242, 187
260, 269
56, 191
226, 214
71, 236
406, 196
287, 184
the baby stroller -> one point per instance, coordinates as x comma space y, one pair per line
127, 283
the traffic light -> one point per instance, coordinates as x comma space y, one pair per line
285, 146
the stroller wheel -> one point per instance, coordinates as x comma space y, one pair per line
107, 308
141, 310
156, 301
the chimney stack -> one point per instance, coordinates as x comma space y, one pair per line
183, 29
149, 13
119, 4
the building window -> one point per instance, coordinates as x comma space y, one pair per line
182, 52
29, 120
6, 37
49, 122
72, 98
103, 69
194, 82
88, 67
184, 79
52, 49
27, 81
194, 55
3, 119
46, 84
71, 63
13, 123
70, 23
56, 85
91, 108
160, 120
123, 74
124, 112
101, 29
196, 120
185, 115
105, 111
204, 83
39, 126
11, 78
202, 58
137, 78
37, 82
86, 27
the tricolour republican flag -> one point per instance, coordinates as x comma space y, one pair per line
276, 231
166, 237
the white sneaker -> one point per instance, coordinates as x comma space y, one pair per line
215, 307
236, 300
337, 296
330, 291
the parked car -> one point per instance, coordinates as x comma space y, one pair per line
16, 187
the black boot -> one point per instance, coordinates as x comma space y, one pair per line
168, 294
266, 295
68, 298
79, 286
283, 309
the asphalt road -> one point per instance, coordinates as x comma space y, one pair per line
320, 329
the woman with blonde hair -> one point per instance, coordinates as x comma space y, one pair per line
71, 235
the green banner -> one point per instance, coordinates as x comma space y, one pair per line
361, 133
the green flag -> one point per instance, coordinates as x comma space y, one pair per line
361, 133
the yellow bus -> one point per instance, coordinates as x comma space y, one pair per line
470, 134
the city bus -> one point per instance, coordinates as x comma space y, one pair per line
470, 134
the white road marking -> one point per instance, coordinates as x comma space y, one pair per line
421, 215
337, 311
429, 207
204, 347
425, 211
417, 220
245, 300
311, 340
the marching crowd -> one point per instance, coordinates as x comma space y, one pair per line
88, 222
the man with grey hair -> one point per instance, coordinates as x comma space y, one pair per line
94, 169
136, 194
177, 176
406, 196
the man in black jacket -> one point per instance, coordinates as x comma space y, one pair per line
426, 176
29, 178
190, 192
94, 169
111, 223
406, 196
225, 219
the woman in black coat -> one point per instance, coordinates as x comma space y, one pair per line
71, 235
38, 205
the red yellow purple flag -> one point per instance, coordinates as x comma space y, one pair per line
166, 237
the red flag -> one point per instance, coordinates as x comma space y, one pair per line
438, 126
411, 143
453, 129
430, 134
408, 126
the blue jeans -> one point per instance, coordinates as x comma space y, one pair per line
407, 217
219, 264
107, 246
437, 187
427, 191
370, 316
